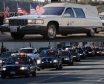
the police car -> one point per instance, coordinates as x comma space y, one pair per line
49, 59
67, 58
18, 65
75, 54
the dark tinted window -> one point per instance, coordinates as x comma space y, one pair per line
65, 53
26, 50
69, 11
44, 48
73, 51
79, 13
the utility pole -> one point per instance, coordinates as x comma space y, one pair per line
76, 1
30, 44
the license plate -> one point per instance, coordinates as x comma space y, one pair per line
12, 72
13, 29
74, 56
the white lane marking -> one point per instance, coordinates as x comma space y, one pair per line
100, 79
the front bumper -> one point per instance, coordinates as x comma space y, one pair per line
76, 58
14, 73
29, 29
47, 65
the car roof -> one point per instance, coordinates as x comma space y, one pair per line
26, 48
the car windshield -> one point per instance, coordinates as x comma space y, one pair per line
73, 51
45, 48
6, 54
65, 53
19, 60
48, 53
26, 50
80, 50
89, 49
97, 49
51, 11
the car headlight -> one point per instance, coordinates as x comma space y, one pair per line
38, 61
0, 61
39, 21
23, 68
97, 52
6, 21
3, 68
31, 22
35, 21
89, 52
55, 61
66, 58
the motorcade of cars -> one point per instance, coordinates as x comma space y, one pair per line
18, 66
67, 58
75, 54
97, 51
89, 51
50, 58
81, 52
56, 18
4, 56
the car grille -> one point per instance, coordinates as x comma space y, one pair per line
13, 68
17, 22
46, 60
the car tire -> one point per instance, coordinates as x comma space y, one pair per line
57, 67
61, 66
50, 32
3, 76
34, 73
91, 33
27, 75
17, 35
72, 63
38, 69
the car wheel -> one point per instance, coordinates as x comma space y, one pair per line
34, 73
38, 69
72, 63
17, 35
10, 76
91, 33
50, 32
3, 76
61, 66
57, 67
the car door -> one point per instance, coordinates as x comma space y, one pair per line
68, 21
80, 20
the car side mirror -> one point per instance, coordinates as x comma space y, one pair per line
66, 15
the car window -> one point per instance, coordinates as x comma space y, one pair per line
79, 13
69, 11
65, 53
6, 54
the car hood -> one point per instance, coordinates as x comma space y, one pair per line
65, 56
51, 57
33, 16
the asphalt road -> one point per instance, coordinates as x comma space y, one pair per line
88, 71
71, 38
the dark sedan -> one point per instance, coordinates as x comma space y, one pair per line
16, 66
67, 58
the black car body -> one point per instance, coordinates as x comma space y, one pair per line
67, 58
75, 54
49, 59
89, 51
19, 65
97, 51
81, 53
102, 51
5, 56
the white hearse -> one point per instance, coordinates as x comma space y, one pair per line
57, 18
